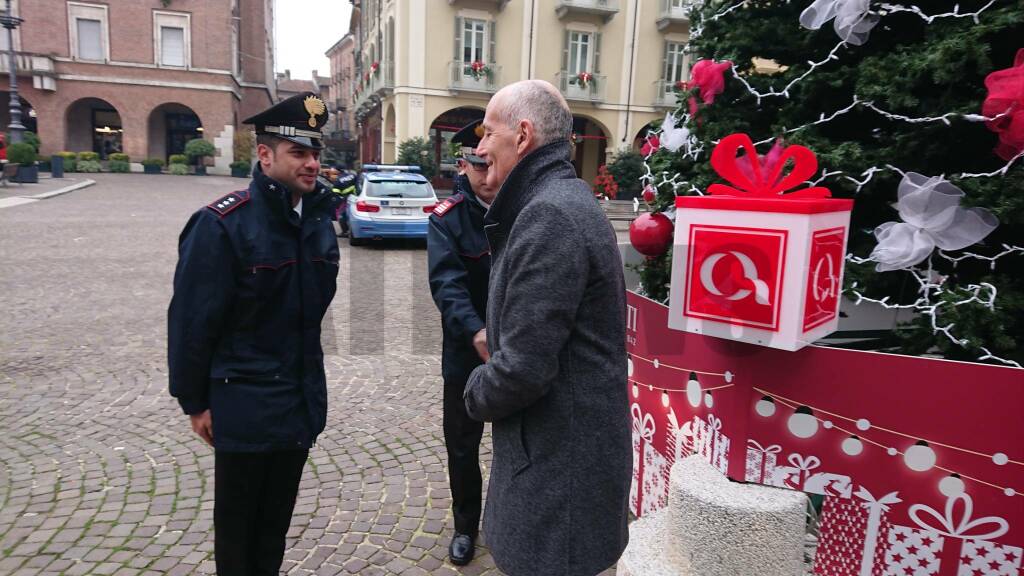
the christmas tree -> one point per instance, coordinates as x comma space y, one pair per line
877, 91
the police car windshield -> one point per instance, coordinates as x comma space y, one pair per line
399, 189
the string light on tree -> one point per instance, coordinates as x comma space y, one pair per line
802, 423
920, 457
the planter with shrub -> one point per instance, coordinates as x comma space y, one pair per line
119, 166
24, 155
178, 169
70, 160
241, 169
89, 166
198, 149
152, 165
177, 159
88, 157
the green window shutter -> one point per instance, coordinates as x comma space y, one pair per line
492, 57
597, 53
458, 38
565, 52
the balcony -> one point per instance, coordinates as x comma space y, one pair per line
375, 86
499, 3
461, 77
665, 94
40, 68
604, 8
573, 88
673, 12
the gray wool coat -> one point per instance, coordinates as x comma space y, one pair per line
555, 386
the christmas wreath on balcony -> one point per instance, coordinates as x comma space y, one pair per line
477, 69
584, 80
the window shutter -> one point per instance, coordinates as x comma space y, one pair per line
565, 52
597, 53
172, 46
90, 33
458, 38
492, 56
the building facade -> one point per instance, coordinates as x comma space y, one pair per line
340, 129
424, 68
142, 77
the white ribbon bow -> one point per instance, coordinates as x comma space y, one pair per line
932, 216
673, 137
881, 503
643, 424
853, 18
714, 423
950, 525
804, 464
773, 449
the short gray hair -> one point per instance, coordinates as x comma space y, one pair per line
540, 103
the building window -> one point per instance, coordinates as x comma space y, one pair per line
675, 64
579, 52
88, 32
171, 39
474, 41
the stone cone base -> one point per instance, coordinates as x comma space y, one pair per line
714, 527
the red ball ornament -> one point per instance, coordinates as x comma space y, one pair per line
649, 194
651, 234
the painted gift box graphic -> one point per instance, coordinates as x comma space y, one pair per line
649, 489
753, 264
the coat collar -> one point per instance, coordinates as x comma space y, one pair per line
550, 161
279, 197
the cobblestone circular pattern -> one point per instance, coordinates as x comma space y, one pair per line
99, 471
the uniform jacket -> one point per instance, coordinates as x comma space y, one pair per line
555, 386
251, 287
459, 262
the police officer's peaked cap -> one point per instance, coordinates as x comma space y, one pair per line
468, 139
298, 119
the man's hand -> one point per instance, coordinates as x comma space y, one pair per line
480, 343
202, 424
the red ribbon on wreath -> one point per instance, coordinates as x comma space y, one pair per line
763, 179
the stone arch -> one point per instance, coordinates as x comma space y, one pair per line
442, 128
28, 112
170, 125
390, 152
641, 135
93, 124
590, 137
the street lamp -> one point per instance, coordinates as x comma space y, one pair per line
9, 21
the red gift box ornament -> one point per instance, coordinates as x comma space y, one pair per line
754, 176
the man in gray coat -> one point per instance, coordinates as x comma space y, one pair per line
555, 385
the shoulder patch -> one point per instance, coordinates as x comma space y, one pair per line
443, 208
228, 203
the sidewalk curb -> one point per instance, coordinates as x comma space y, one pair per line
65, 190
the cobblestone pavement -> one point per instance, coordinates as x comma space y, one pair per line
99, 471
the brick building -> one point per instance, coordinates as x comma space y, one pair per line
340, 128
143, 76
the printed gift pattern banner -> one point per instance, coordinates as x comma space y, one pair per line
920, 462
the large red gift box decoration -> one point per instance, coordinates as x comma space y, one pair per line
919, 462
753, 262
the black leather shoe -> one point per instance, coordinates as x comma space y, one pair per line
461, 550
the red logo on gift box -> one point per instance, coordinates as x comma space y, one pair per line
734, 275
823, 283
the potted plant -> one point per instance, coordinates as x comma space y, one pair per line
152, 165
241, 168
119, 162
198, 149
477, 69
177, 159
583, 80
24, 155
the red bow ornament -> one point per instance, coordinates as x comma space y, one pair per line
762, 177
651, 146
1006, 100
709, 77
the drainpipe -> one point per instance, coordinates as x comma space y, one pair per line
632, 60
529, 63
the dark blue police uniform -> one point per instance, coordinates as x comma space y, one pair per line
459, 262
253, 282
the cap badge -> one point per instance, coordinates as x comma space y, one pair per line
479, 130
315, 107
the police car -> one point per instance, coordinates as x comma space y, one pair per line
393, 202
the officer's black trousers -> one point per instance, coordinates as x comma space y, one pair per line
462, 440
253, 502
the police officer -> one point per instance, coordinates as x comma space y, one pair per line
344, 186
459, 264
257, 270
